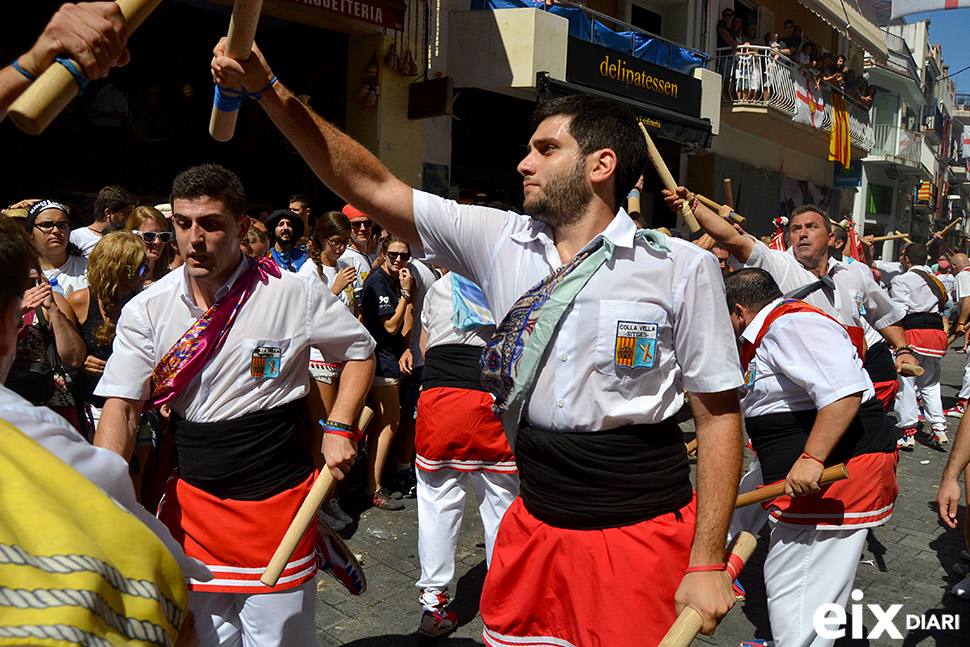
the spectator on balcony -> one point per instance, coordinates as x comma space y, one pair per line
790, 43
747, 70
850, 83
770, 64
805, 55
737, 29
726, 44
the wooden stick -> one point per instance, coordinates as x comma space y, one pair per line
713, 206
879, 239
829, 474
668, 179
905, 237
691, 447
239, 45
54, 89
305, 516
728, 194
689, 622
946, 229
911, 369
706, 241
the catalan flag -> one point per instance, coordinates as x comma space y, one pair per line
839, 145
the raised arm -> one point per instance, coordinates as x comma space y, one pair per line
716, 225
346, 167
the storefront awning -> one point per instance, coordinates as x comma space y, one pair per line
658, 121
850, 18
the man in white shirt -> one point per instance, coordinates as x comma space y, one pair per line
808, 405
614, 385
923, 297
112, 207
225, 342
358, 251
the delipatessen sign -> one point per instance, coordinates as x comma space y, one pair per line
626, 76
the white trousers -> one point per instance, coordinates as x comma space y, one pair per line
279, 619
965, 387
441, 502
805, 569
750, 518
927, 388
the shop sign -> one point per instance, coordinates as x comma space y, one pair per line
626, 76
843, 178
383, 13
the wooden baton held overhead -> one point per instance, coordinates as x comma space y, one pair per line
713, 206
668, 179
880, 239
728, 194
305, 516
239, 45
46, 97
689, 622
947, 229
829, 474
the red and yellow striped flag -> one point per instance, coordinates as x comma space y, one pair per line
839, 146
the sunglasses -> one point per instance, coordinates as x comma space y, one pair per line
404, 256
142, 269
361, 225
150, 236
47, 227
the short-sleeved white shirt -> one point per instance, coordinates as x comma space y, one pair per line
805, 361
359, 261
436, 319
85, 239
911, 292
424, 277
308, 272
855, 299
288, 314
677, 295
889, 270
71, 276
962, 281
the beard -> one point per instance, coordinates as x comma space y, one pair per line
563, 199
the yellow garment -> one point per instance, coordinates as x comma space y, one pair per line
75, 567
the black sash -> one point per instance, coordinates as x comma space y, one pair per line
923, 321
453, 365
779, 438
879, 363
603, 479
249, 458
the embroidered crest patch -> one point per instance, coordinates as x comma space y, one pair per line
750, 376
860, 304
266, 362
636, 344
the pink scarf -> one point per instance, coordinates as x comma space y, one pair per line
195, 348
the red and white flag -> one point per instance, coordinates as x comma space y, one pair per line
809, 104
906, 7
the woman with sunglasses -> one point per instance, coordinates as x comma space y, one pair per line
384, 303
328, 241
48, 224
116, 272
149, 224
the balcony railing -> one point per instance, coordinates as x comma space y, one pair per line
761, 76
962, 101
893, 141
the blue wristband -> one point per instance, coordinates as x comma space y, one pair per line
16, 66
79, 78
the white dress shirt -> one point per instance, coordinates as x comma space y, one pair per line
436, 319
805, 361
912, 293
962, 284
675, 299
288, 315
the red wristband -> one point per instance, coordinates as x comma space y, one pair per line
810, 457
355, 435
705, 569
734, 565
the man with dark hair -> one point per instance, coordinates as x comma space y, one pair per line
602, 329
225, 341
923, 298
808, 405
285, 228
111, 208
300, 205
851, 296
722, 256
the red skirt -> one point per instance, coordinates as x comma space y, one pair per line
457, 430
582, 588
932, 343
236, 539
863, 500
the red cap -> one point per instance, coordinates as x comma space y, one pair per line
353, 213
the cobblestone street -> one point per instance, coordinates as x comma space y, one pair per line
909, 561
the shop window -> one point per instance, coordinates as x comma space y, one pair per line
879, 199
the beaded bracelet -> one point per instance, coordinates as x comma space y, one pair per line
341, 429
693, 205
902, 350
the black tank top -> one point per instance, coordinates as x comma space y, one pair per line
85, 381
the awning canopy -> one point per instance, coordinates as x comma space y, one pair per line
659, 121
854, 20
